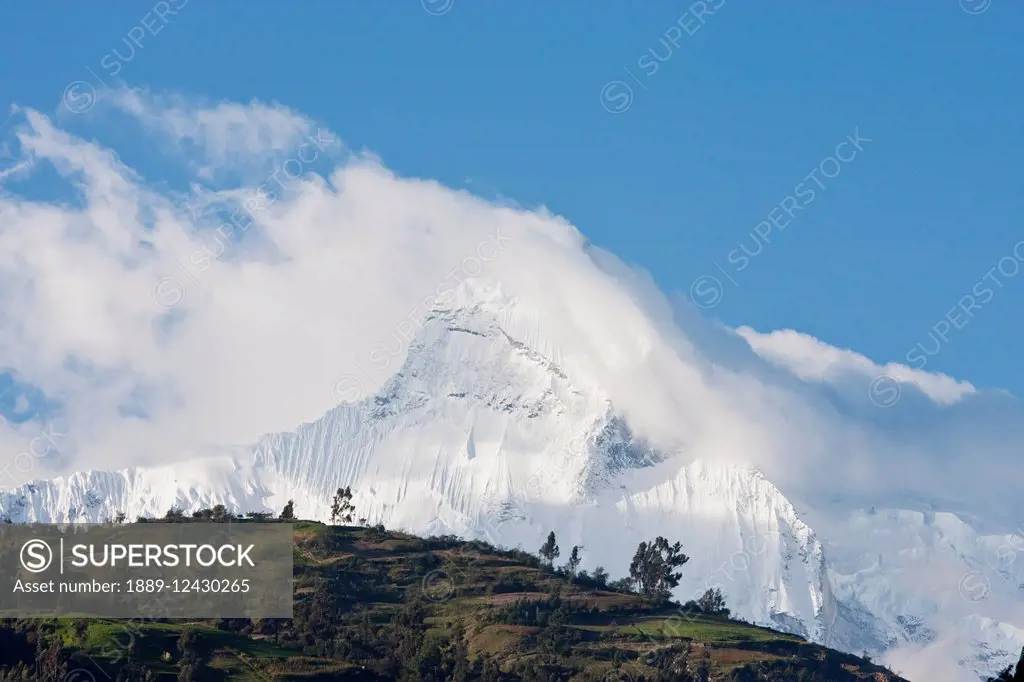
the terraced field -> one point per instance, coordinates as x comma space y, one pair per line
378, 605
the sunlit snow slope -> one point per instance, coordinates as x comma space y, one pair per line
483, 432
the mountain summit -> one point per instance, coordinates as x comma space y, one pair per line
488, 429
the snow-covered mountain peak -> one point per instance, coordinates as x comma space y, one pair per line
487, 427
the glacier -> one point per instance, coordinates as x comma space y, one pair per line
489, 429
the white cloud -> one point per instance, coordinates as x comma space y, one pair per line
226, 131
327, 271
814, 360
930, 662
223, 141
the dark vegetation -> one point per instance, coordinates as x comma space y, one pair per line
371, 604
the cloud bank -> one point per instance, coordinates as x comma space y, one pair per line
224, 304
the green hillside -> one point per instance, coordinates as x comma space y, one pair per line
377, 605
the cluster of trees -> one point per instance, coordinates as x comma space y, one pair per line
653, 569
191, 656
405, 647
342, 510
712, 601
341, 507
652, 573
218, 513
28, 652
552, 610
549, 551
36, 650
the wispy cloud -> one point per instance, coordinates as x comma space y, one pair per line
329, 268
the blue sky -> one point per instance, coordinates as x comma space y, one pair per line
505, 99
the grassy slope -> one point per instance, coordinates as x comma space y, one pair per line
625, 635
